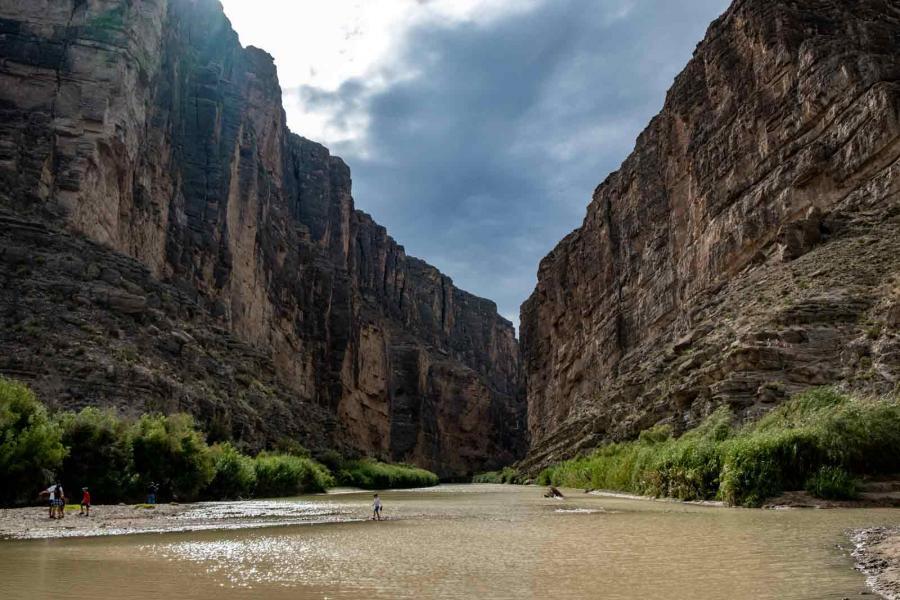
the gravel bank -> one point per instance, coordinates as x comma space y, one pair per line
877, 554
33, 522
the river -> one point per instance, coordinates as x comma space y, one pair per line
463, 541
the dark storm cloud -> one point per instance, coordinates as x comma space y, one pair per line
485, 150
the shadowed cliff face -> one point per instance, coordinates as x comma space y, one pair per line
146, 128
748, 248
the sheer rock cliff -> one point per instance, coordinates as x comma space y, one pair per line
747, 249
168, 244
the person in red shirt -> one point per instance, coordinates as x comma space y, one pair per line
85, 502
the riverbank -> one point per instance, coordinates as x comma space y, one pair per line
626, 496
874, 492
108, 520
822, 441
877, 554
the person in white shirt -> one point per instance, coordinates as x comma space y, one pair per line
51, 493
376, 508
57, 500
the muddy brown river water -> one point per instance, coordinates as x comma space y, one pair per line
462, 541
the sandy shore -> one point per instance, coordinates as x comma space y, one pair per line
33, 522
626, 496
877, 555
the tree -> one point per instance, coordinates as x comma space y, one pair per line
171, 452
30, 446
235, 474
99, 454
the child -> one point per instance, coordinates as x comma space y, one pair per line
85, 502
376, 509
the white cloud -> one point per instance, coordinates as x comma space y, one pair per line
476, 129
322, 45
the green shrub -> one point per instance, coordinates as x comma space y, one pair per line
99, 454
331, 460
30, 446
833, 483
505, 475
286, 475
171, 452
686, 470
292, 447
758, 466
656, 434
806, 442
374, 475
235, 474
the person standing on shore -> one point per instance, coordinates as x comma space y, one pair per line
50, 492
376, 508
85, 502
151, 493
57, 501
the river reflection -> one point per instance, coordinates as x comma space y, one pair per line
475, 541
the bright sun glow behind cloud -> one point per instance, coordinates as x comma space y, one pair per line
322, 45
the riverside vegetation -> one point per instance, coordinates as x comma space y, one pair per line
822, 441
118, 459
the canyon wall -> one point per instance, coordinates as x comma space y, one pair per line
163, 224
747, 249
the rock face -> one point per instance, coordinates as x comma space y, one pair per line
152, 188
748, 248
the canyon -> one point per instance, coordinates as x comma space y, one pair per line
748, 248
169, 245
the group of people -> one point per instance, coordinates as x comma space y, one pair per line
57, 497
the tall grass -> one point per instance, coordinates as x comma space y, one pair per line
374, 475
288, 475
505, 475
235, 473
786, 450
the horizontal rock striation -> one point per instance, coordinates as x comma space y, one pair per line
143, 130
748, 248
92, 327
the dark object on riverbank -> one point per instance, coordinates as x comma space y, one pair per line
553, 493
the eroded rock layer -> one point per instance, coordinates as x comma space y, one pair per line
150, 151
748, 248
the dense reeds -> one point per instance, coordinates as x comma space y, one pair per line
822, 441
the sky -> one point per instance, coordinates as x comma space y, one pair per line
476, 130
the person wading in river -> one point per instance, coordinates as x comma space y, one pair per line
376, 508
